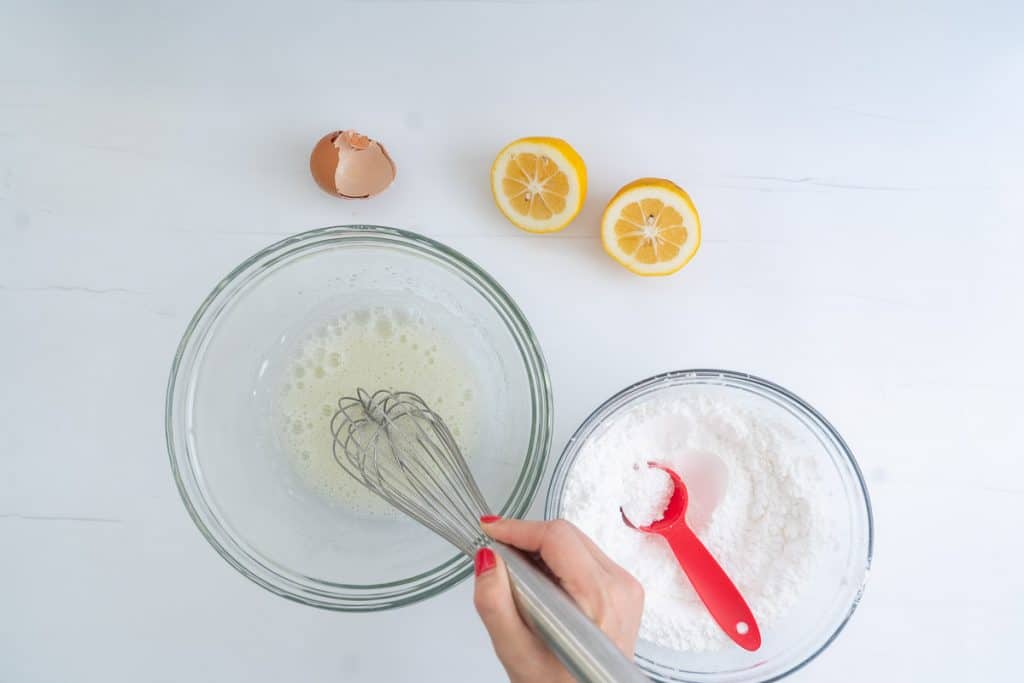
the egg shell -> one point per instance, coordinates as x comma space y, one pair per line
350, 165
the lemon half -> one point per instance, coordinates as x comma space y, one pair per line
539, 183
651, 227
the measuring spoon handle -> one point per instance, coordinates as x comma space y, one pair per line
713, 585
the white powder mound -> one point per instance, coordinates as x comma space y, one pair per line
754, 502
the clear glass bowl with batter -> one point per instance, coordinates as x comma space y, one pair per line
249, 398
834, 589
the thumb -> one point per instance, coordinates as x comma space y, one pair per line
492, 597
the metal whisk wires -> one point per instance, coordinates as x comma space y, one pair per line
400, 449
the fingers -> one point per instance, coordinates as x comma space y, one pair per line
606, 592
559, 543
492, 597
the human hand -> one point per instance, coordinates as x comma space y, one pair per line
604, 591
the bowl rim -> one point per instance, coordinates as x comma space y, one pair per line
308, 590
563, 465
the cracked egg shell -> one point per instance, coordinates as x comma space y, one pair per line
347, 164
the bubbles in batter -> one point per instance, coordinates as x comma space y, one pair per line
378, 348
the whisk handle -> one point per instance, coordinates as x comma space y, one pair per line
581, 646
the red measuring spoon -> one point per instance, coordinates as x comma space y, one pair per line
713, 585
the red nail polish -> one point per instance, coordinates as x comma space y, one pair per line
484, 561
489, 519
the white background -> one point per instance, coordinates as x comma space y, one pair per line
860, 178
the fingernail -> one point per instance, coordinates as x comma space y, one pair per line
489, 519
484, 561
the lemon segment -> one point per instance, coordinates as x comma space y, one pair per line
539, 183
651, 227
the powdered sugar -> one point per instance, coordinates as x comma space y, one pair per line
753, 500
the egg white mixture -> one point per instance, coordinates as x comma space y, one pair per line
379, 348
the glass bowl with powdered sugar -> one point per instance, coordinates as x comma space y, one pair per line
775, 494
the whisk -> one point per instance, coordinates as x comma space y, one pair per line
401, 450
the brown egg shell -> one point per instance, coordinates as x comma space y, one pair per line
349, 165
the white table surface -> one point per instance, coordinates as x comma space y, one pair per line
858, 170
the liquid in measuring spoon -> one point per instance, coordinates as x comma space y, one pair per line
378, 348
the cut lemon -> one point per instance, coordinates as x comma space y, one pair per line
651, 227
539, 183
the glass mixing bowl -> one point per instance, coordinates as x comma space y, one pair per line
835, 588
224, 439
